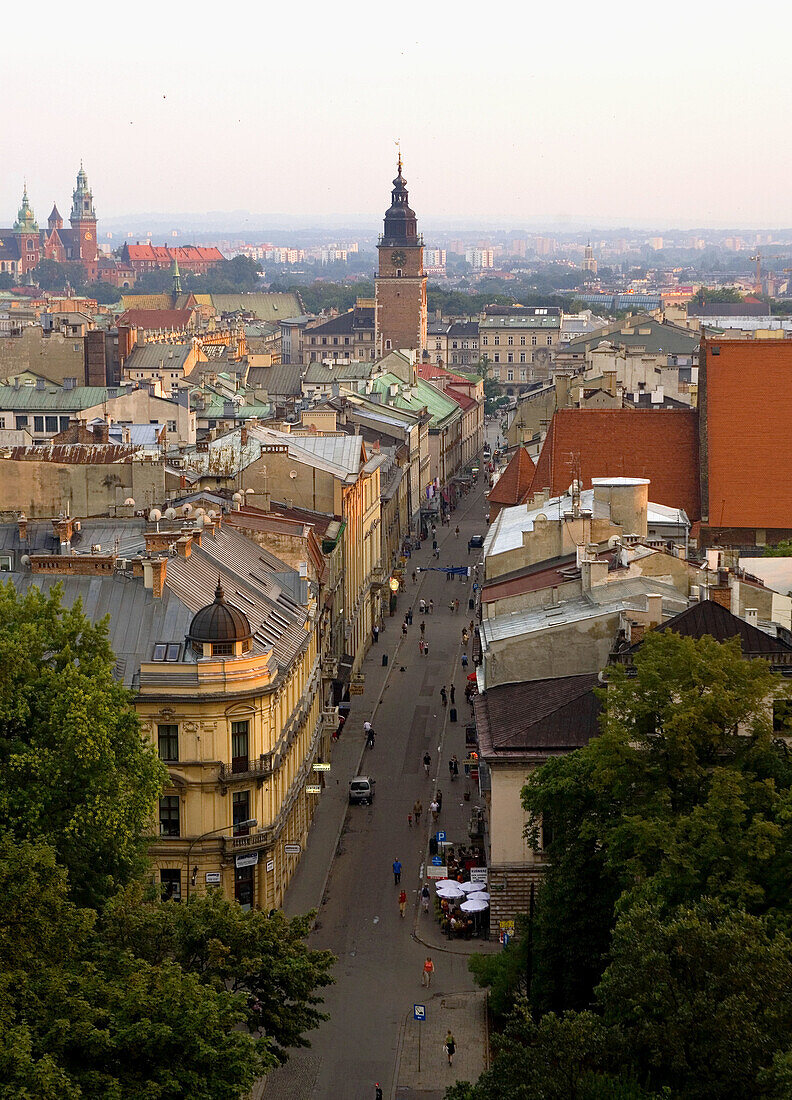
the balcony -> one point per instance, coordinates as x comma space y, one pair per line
259, 768
252, 842
329, 717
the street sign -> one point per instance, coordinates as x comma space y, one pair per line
419, 1012
437, 861
356, 689
270, 865
434, 871
506, 925
213, 878
292, 849
440, 837
478, 874
321, 767
313, 789
246, 859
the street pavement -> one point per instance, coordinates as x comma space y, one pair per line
345, 872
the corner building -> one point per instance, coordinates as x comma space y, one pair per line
400, 282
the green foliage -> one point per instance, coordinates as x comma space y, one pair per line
237, 276
505, 974
50, 275
105, 293
74, 768
781, 549
6, 280
708, 294
319, 295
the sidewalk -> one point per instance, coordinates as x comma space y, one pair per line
464, 1014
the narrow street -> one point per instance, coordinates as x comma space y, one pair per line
371, 1035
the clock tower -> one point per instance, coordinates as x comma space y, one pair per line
400, 283
83, 223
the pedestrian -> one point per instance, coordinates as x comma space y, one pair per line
402, 903
370, 739
451, 768
456, 532
366, 728
453, 695
415, 577
427, 762
404, 629
377, 1091
471, 626
456, 606
451, 605
431, 607
449, 1045
464, 660
444, 695
418, 810
436, 553
409, 821
409, 617
422, 606
439, 799
426, 649
455, 762
464, 635
375, 633
428, 971
421, 645
425, 897
434, 544
396, 872
434, 809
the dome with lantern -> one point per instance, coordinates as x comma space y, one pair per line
219, 629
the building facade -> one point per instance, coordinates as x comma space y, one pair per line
401, 280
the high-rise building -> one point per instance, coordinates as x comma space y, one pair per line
401, 281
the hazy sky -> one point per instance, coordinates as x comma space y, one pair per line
675, 114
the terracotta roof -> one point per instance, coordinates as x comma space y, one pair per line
746, 409
431, 371
514, 484
462, 399
156, 319
537, 716
661, 444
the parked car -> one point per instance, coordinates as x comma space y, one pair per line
361, 790
475, 542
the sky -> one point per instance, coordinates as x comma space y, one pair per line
608, 114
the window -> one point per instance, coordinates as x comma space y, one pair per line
171, 425
241, 812
64, 422
51, 423
169, 815
522, 375
496, 341
509, 375
496, 357
522, 341
511, 341
464, 343
239, 746
2, 422
222, 649
510, 357
335, 340
533, 341
454, 344
387, 344
171, 884
168, 742
549, 341
522, 356
484, 341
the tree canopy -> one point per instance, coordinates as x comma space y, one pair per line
666, 908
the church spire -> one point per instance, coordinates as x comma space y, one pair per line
401, 225
82, 199
176, 276
26, 221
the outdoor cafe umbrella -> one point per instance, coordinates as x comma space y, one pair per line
480, 895
473, 887
451, 890
473, 905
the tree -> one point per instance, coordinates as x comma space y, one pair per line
707, 294
105, 293
670, 801
81, 1016
75, 770
781, 549
6, 280
51, 275
699, 999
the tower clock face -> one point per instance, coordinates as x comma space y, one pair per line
398, 258
88, 235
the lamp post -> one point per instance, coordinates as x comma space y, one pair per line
249, 824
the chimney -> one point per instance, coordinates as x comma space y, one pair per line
654, 609
637, 631
721, 594
184, 546
62, 528
22, 521
752, 616
593, 573
154, 573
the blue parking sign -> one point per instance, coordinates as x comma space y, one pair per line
440, 837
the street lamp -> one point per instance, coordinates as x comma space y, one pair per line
394, 584
249, 824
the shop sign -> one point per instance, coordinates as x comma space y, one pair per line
292, 849
246, 859
313, 789
321, 767
436, 872
270, 865
478, 874
213, 878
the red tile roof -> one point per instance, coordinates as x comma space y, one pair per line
746, 399
432, 371
514, 484
661, 444
462, 399
156, 319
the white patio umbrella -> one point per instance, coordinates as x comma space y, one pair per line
448, 884
473, 887
481, 895
452, 890
473, 905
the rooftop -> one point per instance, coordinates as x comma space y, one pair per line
514, 484
537, 716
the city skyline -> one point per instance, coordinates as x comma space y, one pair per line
627, 124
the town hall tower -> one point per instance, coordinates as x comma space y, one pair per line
400, 282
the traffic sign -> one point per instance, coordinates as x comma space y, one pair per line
437, 861
440, 837
419, 1012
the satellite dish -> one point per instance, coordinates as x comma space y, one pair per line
25, 560
155, 515
292, 474
237, 497
186, 509
613, 541
170, 513
199, 521
212, 514
129, 503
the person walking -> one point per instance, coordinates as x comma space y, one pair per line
452, 694
423, 627
456, 606
449, 1046
425, 897
409, 617
404, 629
426, 649
421, 645
471, 628
427, 762
409, 821
464, 635
377, 1091
422, 605
370, 738
456, 532
415, 576
439, 799
375, 633
436, 553
434, 808
464, 660
451, 772
402, 903
455, 762
428, 971
417, 811
366, 728
444, 695
396, 872
431, 607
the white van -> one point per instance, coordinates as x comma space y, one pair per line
361, 789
